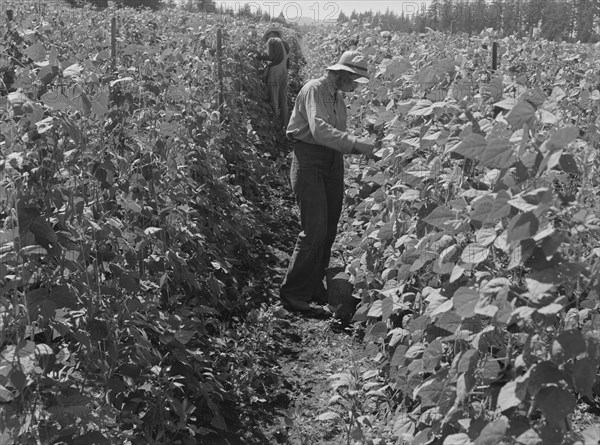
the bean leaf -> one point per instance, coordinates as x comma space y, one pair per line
521, 114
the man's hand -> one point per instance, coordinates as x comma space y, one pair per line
367, 149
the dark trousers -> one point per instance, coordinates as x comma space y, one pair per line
317, 176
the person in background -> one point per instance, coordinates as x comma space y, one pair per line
276, 79
318, 128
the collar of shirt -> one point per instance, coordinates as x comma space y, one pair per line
331, 88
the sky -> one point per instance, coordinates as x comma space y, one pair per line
320, 10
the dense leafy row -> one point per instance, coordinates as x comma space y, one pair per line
134, 218
472, 243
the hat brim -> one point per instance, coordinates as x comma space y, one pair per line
364, 78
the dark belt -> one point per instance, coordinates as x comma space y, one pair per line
299, 143
315, 152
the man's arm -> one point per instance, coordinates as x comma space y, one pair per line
327, 135
269, 54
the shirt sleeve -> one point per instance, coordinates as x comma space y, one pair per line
323, 132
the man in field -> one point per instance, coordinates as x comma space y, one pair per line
276, 75
318, 128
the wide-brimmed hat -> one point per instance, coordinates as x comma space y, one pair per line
274, 29
353, 62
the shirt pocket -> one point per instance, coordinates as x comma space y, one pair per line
332, 116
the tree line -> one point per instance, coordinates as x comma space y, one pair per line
566, 20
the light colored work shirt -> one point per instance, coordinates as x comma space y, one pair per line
319, 117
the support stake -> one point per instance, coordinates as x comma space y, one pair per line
220, 69
113, 41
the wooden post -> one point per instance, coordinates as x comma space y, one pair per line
220, 68
113, 41
494, 56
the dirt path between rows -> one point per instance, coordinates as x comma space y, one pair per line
320, 354
313, 352
298, 387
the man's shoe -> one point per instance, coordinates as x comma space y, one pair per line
321, 300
